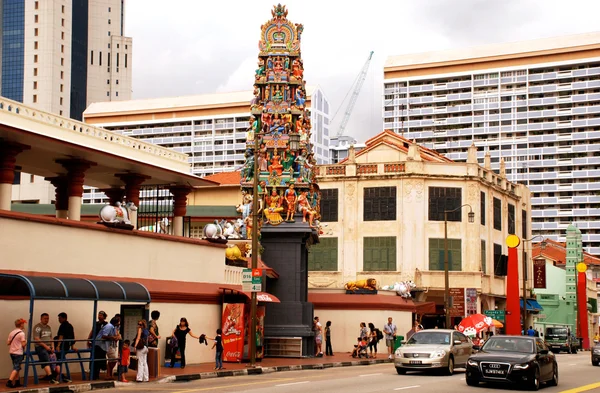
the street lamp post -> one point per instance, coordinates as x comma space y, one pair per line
524, 264
446, 267
254, 232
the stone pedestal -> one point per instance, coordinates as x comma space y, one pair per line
285, 250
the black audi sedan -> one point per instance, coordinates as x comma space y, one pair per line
522, 360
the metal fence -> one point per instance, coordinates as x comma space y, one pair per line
155, 213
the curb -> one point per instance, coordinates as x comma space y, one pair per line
86, 387
268, 370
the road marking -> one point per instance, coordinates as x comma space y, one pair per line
292, 383
231, 386
408, 387
584, 388
369, 375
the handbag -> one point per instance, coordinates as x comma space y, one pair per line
133, 363
142, 341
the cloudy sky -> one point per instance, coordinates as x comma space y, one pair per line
184, 47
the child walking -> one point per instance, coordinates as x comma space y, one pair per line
219, 350
124, 366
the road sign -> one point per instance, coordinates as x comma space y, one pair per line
499, 315
252, 280
247, 276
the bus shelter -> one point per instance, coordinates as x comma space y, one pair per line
54, 288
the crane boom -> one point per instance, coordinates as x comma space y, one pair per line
359, 83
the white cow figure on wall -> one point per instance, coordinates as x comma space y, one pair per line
117, 214
161, 226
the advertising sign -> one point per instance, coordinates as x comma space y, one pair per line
471, 300
457, 296
539, 273
233, 331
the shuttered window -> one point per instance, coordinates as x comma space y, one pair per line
324, 255
379, 253
379, 204
436, 254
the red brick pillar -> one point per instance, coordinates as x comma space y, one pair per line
61, 196
133, 183
76, 169
180, 194
114, 194
8, 161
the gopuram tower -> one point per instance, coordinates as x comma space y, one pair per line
279, 156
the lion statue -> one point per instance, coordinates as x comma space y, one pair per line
369, 283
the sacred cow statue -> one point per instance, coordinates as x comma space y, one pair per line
118, 215
161, 226
402, 288
367, 286
213, 231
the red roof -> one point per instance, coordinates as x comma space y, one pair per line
557, 252
399, 142
225, 178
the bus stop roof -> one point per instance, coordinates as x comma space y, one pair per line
53, 288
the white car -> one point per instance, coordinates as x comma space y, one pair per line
441, 349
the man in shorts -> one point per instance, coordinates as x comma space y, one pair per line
16, 342
390, 337
44, 346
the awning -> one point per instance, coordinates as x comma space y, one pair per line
532, 305
341, 301
263, 297
53, 288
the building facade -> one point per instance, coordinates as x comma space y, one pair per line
383, 218
210, 128
535, 105
52, 53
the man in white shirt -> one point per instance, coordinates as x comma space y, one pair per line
390, 337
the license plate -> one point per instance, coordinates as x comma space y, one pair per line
415, 362
495, 372
556, 346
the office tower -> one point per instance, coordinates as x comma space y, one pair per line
534, 105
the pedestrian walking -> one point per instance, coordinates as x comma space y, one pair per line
372, 340
180, 333
318, 328
141, 351
328, 349
16, 342
218, 346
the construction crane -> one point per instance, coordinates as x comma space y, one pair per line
360, 80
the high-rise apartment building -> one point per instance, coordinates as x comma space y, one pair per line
533, 105
211, 128
62, 55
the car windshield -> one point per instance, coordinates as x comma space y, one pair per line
508, 345
560, 333
437, 338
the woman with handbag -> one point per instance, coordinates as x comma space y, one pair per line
141, 351
180, 333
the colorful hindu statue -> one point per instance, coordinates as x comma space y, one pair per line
274, 209
275, 163
290, 199
304, 206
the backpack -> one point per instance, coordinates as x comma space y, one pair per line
379, 334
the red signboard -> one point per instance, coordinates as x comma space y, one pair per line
539, 273
256, 273
233, 332
458, 302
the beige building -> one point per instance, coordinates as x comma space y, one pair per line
383, 216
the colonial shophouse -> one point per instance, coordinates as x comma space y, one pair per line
383, 218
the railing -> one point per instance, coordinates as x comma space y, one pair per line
366, 169
233, 275
333, 170
394, 168
76, 127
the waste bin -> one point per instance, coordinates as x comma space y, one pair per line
398, 342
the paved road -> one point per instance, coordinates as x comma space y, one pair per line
576, 374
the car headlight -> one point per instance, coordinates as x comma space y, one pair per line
521, 366
398, 352
438, 354
472, 362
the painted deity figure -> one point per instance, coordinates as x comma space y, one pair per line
288, 161
278, 95
300, 100
299, 123
266, 118
256, 99
297, 71
301, 161
263, 162
275, 163
290, 199
304, 207
248, 168
313, 198
286, 63
277, 66
260, 71
274, 209
277, 125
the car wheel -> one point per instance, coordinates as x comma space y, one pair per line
472, 382
450, 369
535, 382
400, 370
554, 380
573, 350
594, 362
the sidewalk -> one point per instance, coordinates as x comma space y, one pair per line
204, 371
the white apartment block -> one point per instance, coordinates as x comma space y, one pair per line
210, 128
533, 105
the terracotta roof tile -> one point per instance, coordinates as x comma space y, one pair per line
557, 252
226, 178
